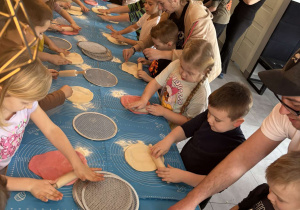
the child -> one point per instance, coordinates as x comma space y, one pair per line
147, 21
55, 6
283, 189
214, 134
4, 194
184, 85
67, 5
40, 16
18, 103
164, 36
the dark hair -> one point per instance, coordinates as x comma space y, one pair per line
4, 193
285, 170
233, 97
166, 31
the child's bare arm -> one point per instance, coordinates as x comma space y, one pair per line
120, 9
171, 116
235, 207
129, 29
121, 38
58, 138
149, 91
143, 75
82, 6
68, 17
55, 59
176, 175
163, 146
53, 46
39, 188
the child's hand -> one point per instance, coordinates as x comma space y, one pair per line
42, 189
118, 37
65, 5
152, 54
110, 27
83, 172
170, 174
55, 27
127, 53
75, 26
140, 104
54, 73
58, 60
67, 90
59, 50
144, 61
142, 74
84, 8
104, 11
160, 148
156, 109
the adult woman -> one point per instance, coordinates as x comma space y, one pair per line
194, 21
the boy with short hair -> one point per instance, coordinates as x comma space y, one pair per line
164, 36
283, 189
214, 134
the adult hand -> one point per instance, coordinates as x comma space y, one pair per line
42, 189
152, 54
54, 73
170, 174
156, 109
127, 53
67, 90
160, 148
83, 172
58, 60
144, 61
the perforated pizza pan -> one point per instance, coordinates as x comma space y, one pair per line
100, 77
95, 126
92, 47
61, 43
97, 56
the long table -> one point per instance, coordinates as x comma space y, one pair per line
108, 155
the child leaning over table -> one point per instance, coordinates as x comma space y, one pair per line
18, 104
146, 22
164, 36
184, 85
214, 134
283, 189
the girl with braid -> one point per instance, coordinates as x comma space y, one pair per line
183, 83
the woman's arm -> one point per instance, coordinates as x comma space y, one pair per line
250, 2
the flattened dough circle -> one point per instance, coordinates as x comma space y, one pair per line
131, 68
75, 58
138, 157
80, 95
74, 12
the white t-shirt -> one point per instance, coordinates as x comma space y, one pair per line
175, 91
11, 136
278, 127
146, 25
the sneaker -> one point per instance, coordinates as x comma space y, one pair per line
221, 76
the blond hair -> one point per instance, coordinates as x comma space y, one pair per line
31, 83
199, 54
233, 97
166, 31
4, 193
285, 170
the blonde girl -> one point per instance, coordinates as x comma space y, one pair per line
18, 104
184, 85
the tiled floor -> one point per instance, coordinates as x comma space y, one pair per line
262, 106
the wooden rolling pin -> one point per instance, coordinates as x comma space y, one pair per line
140, 66
157, 161
65, 179
70, 73
75, 8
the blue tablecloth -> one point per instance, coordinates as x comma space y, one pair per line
109, 154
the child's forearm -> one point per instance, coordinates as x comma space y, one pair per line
175, 118
150, 89
120, 9
67, 16
147, 78
78, 2
176, 135
18, 184
192, 179
129, 29
44, 56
